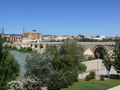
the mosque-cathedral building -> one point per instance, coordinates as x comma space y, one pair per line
27, 36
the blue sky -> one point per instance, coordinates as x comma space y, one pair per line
61, 17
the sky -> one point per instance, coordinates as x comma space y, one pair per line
61, 17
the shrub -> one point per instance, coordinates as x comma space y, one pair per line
102, 77
69, 76
31, 84
88, 78
14, 85
29, 49
54, 82
75, 76
58, 80
64, 82
90, 58
92, 74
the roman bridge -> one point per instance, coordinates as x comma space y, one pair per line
89, 48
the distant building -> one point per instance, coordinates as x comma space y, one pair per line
60, 38
48, 38
27, 36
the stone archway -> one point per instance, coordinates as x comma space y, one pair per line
98, 51
41, 46
31, 45
36, 46
82, 48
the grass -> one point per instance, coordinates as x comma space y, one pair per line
93, 85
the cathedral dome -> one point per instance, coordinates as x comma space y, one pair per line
34, 31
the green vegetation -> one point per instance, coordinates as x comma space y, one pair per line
56, 63
102, 77
116, 62
107, 61
93, 85
113, 59
59, 80
39, 65
90, 76
67, 57
9, 67
22, 49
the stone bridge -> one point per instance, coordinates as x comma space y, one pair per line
89, 48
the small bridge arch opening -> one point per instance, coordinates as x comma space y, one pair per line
98, 51
31, 45
41, 46
36, 46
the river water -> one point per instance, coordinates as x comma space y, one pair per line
20, 57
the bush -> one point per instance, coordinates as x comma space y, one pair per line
64, 82
69, 76
102, 77
29, 49
54, 82
31, 84
90, 76
90, 58
14, 85
58, 80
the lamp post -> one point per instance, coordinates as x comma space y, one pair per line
98, 55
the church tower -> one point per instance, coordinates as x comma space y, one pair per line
23, 32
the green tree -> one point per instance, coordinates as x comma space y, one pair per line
9, 67
107, 61
38, 65
116, 61
69, 57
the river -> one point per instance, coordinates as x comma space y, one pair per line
20, 57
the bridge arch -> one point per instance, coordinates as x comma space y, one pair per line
36, 45
41, 46
82, 48
99, 50
31, 45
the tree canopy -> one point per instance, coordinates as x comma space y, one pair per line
9, 67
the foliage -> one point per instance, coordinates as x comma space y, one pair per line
31, 84
107, 61
8, 66
102, 77
51, 49
14, 85
116, 62
39, 65
22, 49
68, 57
25, 49
90, 58
54, 82
58, 80
90, 76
